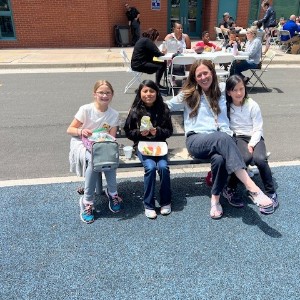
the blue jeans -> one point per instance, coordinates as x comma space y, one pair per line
152, 164
91, 178
223, 153
241, 66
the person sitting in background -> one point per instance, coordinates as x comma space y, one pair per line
298, 20
280, 23
254, 47
292, 27
226, 24
143, 53
206, 44
183, 40
233, 39
235, 28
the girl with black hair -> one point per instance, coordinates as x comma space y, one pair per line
247, 125
149, 103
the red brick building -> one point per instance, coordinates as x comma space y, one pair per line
87, 23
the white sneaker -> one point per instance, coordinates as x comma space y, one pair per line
150, 213
165, 210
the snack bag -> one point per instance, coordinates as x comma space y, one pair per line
146, 123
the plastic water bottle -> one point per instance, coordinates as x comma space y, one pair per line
164, 47
235, 50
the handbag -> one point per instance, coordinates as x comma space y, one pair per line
105, 156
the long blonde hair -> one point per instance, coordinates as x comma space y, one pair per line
192, 90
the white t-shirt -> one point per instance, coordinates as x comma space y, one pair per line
92, 118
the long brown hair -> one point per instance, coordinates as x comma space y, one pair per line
192, 90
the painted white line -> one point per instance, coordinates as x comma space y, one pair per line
138, 174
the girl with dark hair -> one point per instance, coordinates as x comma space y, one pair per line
144, 51
208, 135
247, 124
149, 103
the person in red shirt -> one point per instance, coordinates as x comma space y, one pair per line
206, 44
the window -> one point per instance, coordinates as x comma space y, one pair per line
6, 22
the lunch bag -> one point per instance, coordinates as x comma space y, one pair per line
105, 155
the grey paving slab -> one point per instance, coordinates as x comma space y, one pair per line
48, 253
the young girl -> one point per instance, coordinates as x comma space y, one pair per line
95, 115
247, 124
149, 102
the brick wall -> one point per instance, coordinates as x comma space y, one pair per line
76, 23
90, 23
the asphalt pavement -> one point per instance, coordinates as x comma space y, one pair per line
48, 253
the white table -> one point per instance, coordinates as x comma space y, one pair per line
208, 55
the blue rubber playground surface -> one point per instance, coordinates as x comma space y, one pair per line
48, 253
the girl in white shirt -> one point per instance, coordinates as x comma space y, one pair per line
92, 116
247, 125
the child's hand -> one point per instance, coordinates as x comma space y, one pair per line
144, 132
250, 149
86, 132
153, 131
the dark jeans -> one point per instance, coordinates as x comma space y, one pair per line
259, 158
135, 31
152, 164
241, 66
153, 67
221, 149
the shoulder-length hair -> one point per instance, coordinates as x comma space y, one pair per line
192, 90
151, 33
231, 82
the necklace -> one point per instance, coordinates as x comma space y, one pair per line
215, 116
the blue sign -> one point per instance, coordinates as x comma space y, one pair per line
155, 4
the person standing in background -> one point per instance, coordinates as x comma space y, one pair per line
269, 22
133, 16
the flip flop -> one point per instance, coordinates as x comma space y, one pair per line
216, 208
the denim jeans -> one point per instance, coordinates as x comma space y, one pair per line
221, 149
152, 164
241, 66
259, 158
91, 178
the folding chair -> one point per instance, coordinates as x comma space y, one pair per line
220, 36
136, 75
257, 73
288, 42
182, 61
225, 58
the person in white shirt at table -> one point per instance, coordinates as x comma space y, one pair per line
254, 48
183, 40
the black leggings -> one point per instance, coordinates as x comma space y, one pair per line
154, 67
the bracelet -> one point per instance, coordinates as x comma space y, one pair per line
80, 132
